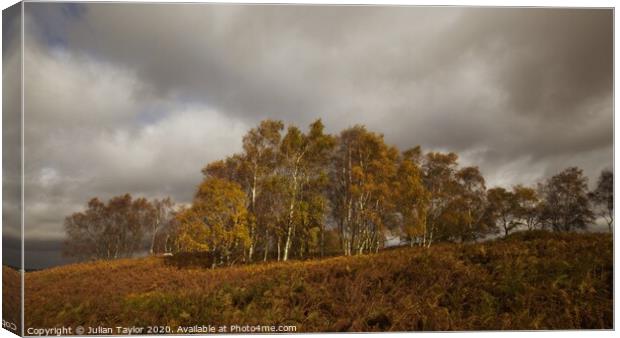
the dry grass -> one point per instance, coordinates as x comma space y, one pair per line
11, 297
532, 281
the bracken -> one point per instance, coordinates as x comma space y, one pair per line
534, 280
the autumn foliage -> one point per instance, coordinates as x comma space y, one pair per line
289, 192
529, 280
217, 222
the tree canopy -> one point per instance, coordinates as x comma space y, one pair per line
294, 193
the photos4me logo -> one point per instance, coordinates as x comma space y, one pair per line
9, 325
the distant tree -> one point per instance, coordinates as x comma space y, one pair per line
216, 223
603, 197
527, 206
139, 218
163, 216
108, 231
472, 203
566, 205
166, 240
503, 207
85, 233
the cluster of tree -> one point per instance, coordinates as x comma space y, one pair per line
284, 181
291, 193
122, 227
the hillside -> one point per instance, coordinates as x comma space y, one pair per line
528, 281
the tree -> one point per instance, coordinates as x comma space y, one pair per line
108, 231
566, 205
295, 165
251, 169
303, 158
603, 197
260, 146
166, 240
315, 189
271, 215
411, 197
503, 208
439, 177
216, 223
362, 175
472, 201
137, 220
511, 209
163, 215
527, 206
230, 169
86, 232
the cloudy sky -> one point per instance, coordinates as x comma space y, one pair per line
139, 97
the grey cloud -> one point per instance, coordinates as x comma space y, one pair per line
11, 136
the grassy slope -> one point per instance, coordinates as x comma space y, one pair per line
546, 281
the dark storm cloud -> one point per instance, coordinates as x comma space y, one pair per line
297, 62
11, 136
138, 97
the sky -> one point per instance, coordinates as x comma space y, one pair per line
139, 97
